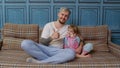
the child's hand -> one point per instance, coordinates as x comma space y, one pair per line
78, 50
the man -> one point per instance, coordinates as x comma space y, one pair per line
50, 50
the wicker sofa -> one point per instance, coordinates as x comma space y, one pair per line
104, 55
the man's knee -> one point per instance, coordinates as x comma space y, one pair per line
25, 44
70, 53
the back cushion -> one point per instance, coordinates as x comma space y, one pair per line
13, 34
98, 35
12, 43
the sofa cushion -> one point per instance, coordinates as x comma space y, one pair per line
13, 33
98, 35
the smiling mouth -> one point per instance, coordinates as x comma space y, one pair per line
61, 22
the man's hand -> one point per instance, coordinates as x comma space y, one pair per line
55, 35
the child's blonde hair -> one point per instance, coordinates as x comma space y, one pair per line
74, 28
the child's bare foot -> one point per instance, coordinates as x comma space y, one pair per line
88, 55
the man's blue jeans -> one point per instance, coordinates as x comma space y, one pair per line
47, 54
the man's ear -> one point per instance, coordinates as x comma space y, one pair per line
58, 14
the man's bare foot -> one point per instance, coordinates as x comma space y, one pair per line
32, 60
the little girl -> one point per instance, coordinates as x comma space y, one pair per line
74, 41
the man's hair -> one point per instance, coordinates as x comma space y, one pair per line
65, 9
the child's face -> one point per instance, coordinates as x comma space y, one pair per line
71, 32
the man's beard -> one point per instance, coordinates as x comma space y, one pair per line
61, 22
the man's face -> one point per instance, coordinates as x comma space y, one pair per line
63, 17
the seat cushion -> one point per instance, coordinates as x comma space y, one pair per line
13, 34
98, 35
14, 58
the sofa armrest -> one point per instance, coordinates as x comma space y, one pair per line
1, 43
0, 39
114, 49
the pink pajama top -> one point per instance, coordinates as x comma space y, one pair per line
72, 43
